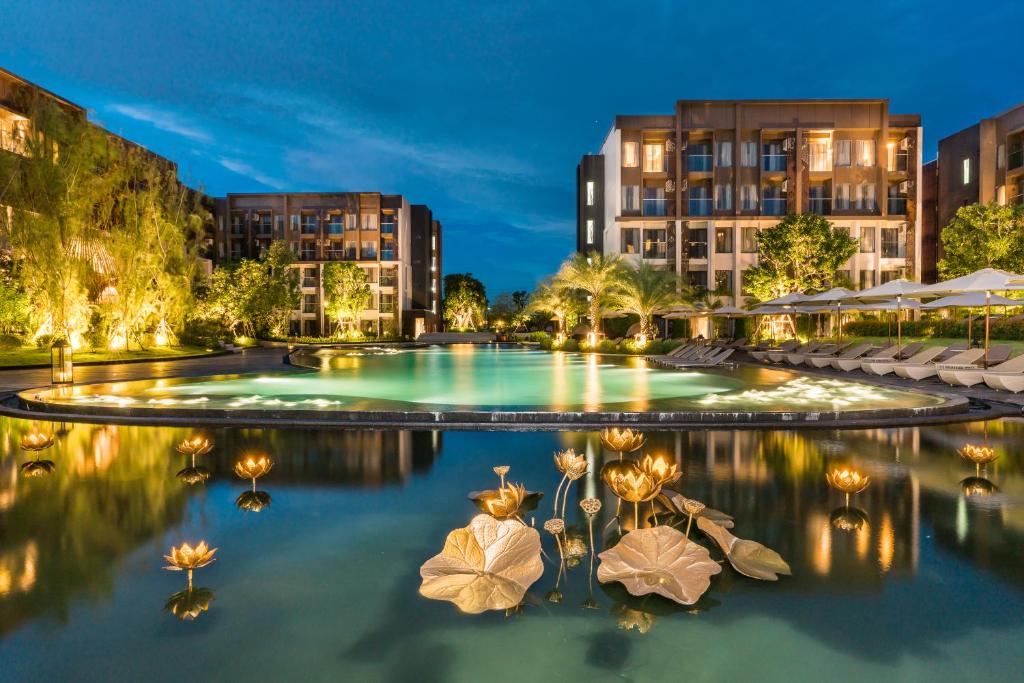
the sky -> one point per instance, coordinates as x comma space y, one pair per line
482, 110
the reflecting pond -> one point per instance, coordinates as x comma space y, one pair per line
920, 578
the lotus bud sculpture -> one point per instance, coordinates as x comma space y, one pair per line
36, 441
979, 455
847, 480
691, 507
634, 486
37, 468
572, 466
503, 503
501, 471
622, 440
253, 467
187, 558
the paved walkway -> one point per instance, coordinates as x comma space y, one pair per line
250, 360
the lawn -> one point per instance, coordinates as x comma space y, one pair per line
35, 356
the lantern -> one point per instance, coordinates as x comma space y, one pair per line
62, 366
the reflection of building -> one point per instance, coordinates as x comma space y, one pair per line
689, 191
982, 163
396, 243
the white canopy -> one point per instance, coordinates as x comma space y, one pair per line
728, 312
971, 300
893, 306
834, 295
787, 300
890, 289
984, 280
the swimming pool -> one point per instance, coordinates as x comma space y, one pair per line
494, 384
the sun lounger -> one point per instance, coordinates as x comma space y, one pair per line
919, 371
737, 344
915, 357
707, 362
779, 355
784, 347
968, 377
828, 351
816, 361
762, 346
845, 364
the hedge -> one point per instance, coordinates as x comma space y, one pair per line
944, 328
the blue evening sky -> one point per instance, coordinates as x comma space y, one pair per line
482, 110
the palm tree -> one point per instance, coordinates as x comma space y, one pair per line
596, 274
550, 297
645, 290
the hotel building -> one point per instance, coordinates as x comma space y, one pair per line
689, 191
983, 163
398, 245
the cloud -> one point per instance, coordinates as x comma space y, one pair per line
242, 168
162, 119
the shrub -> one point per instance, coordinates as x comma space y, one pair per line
571, 345
9, 342
205, 333
607, 346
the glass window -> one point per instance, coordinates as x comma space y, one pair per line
967, 171
894, 243
723, 197
368, 251
387, 302
748, 240
630, 154
351, 249
891, 274
353, 221
774, 156
748, 197
723, 154
630, 198
698, 158
655, 244
630, 239
748, 154
844, 152
336, 225
1001, 156
388, 277
867, 239
308, 224
654, 201
309, 303
698, 243
820, 155
387, 250
867, 279
865, 153
590, 193
698, 279
387, 224
369, 221
723, 281
295, 222
842, 196
308, 250
654, 159
865, 197
723, 240
590, 231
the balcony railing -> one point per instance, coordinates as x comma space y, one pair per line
336, 255
897, 206
655, 250
773, 206
1015, 159
387, 228
387, 254
335, 228
820, 205
774, 162
656, 207
699, 163
701, 207
309, 228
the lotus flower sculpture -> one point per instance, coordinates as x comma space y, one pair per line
977, 486
847, 480
253, 501
749, 558
187, 558
501, 471
660, 469
197, 445
660, 561
631, 484
979, 455
189, 604
36, 441
253, 467
622, 440
686, 506
502, 503
193, 475
487, 565
572, 466
37, 468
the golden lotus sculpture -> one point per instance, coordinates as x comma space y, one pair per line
622, 440
197, 445
660, 561
36, 441
848, 480
188, 559
631, 484
749, 558
253, 467
572, 466
37, 468
193, 475
660, 469
253, 501
189, 604
575, 548
980, 455
630, 619
502, 503
848, 519
501, 471
487, 565
977, 486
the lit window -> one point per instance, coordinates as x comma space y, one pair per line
630, 198
844, 152
820, 155
723, 154
590, 193
1001, 156
654, 159
630, 154
748, 154
590, 231
967, 171
865, 152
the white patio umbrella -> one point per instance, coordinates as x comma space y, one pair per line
986, 280
971, 300
832, 296
787, 300
898, 288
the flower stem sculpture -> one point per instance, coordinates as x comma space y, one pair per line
187, 558
692, 507
847, 479
556, 527
572, 467
253, 467
501, 471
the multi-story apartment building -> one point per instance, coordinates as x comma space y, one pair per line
398, 244
689, 191
982, 163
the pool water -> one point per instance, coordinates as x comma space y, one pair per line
496, 378
323, 584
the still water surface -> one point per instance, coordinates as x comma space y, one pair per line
323, 583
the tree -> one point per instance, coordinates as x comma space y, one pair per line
346, 292
644, 290
281, 294
15, 307
597, 275
800, 254
564, 303
983, 236
465, 301
502, 310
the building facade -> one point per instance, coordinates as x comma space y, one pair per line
689, 191
981, 164
396, 243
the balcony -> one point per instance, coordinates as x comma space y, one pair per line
897, 206
820, 205
336, 255
701, 207
350, 254
655, 206
335, 228
1015, 159
308, 227
368, 255
699, 163
774, 163
387, 254
773, 206
387, 228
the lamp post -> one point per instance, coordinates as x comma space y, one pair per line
62, 365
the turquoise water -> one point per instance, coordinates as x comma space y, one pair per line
498, 378
322, 585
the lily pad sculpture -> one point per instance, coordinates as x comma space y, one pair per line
659, 560
749, 558
678, 503
487, 565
